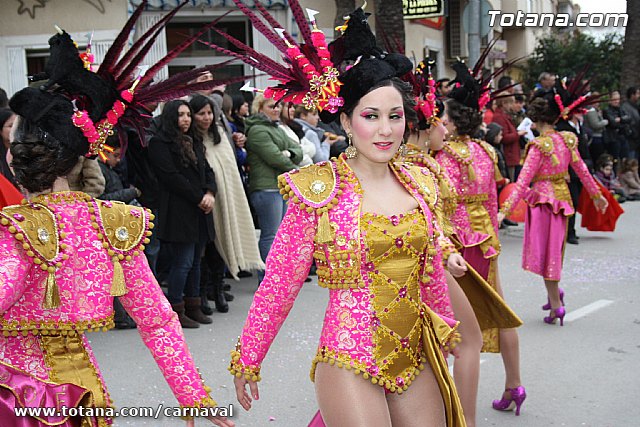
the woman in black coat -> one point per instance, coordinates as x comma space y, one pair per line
185, 223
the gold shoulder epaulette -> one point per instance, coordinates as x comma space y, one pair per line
570, 139
489, 149
316, 186
422, 179
124, 230
544, 144
34, 226
37, 229
123, 227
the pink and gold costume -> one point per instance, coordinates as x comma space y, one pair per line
65, 255
549, 203
472, 167
384, 274
490, 309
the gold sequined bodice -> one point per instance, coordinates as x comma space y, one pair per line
395, 245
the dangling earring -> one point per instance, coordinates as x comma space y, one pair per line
402, 151
351, 152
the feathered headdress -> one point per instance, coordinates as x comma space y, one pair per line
308, 76
471, 87
81, 109
573, 97
429, 108
311, 74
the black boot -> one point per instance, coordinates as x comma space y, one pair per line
193, 310
205, 284
185, 322
205, 306
219, 299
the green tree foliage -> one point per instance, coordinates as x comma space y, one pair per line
567, 54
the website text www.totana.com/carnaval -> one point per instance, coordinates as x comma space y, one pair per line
143, 412
522, 19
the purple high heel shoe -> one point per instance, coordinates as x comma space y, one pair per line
558, 313
547, 306
518, 395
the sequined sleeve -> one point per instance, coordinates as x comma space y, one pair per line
287, 266
160, 330
13, 270
582, 171
531, 165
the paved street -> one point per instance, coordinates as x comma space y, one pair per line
584, 374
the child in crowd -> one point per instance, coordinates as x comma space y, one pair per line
607, 177
629, 179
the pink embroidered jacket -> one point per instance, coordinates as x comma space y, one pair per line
64, 256
472, 168
546, 165
322, 223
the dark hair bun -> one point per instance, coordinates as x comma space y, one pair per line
540, 110
466, 119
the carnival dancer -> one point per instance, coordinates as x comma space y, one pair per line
370, 226
546, 165
472, 167
474, 301
66, 255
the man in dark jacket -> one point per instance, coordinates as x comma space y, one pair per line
630, 108
618, 129
575, 125
115, 190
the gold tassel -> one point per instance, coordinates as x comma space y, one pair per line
574, 156
51, 293
445, 193
554, 160
118, 287
324, 234
471, 172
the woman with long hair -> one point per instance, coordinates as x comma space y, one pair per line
185, 222
234, 245
7, 117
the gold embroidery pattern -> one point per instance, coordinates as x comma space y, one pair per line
46, 327
122, 229
397, 318
342, 360
313, 186
562, 176
38, 228
570, 140
473, 198
122, 226
340, 270
316, 187
458, 148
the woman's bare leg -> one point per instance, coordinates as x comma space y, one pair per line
553, 292
346, 399
466, 368
421, 405
510, 349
